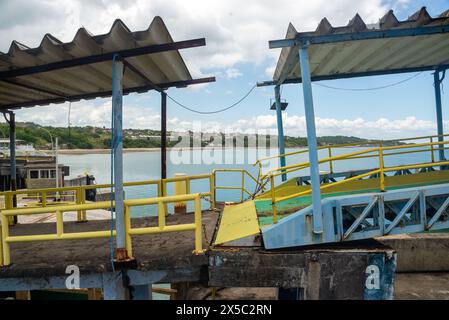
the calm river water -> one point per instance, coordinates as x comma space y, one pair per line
146, 166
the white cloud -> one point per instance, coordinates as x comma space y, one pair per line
381, 128
233, 73
270, 71
86, 113
149, 118
235, 32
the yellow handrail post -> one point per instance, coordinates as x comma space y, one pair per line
331, 167
198, 227
44, 199
159, 189
128, 239
79, 217
381, 169
187, 185
212, 190
59, 223
83, 201
161, 215
9, 203
180, 188
432, 156
164, 193
243, 186
5, 244
273, 199
164, 187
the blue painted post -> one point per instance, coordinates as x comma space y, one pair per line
142, 292
117, 106
311, 139
379, 276
277, 95
437, 85
114, 288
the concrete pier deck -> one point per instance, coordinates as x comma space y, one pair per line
331, 272
336, 271
169, 252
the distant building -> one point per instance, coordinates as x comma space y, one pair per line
20, 146
42, 174
35, 169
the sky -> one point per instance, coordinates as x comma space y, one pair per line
237, 53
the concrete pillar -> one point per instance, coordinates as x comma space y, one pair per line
311, 140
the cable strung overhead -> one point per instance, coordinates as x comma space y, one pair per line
369, 89
216, 111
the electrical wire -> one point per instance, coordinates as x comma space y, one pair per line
369, 89
318, 84
216, 111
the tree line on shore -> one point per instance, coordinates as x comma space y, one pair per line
42, 137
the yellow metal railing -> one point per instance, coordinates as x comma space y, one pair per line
379, 143
78, 193
7, 239
196, 226
379, 152
362, 154
188, 180
244, 191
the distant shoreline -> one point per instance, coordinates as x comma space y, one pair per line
136, 150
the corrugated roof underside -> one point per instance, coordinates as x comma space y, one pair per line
361, 56
160, 68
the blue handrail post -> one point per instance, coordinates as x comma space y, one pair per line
437, 85
117, 106
311, 139
277, 95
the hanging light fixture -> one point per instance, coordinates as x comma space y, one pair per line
284, 104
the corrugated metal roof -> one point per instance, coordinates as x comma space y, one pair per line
88, 80
354, 55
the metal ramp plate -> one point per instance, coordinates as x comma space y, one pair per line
364, 216
237, 222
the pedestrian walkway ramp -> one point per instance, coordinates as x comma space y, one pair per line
249, 218
237, 221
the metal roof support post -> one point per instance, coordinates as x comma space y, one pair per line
437, 85
277, 94
117, 106
163, 135
12, 158
311, 139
